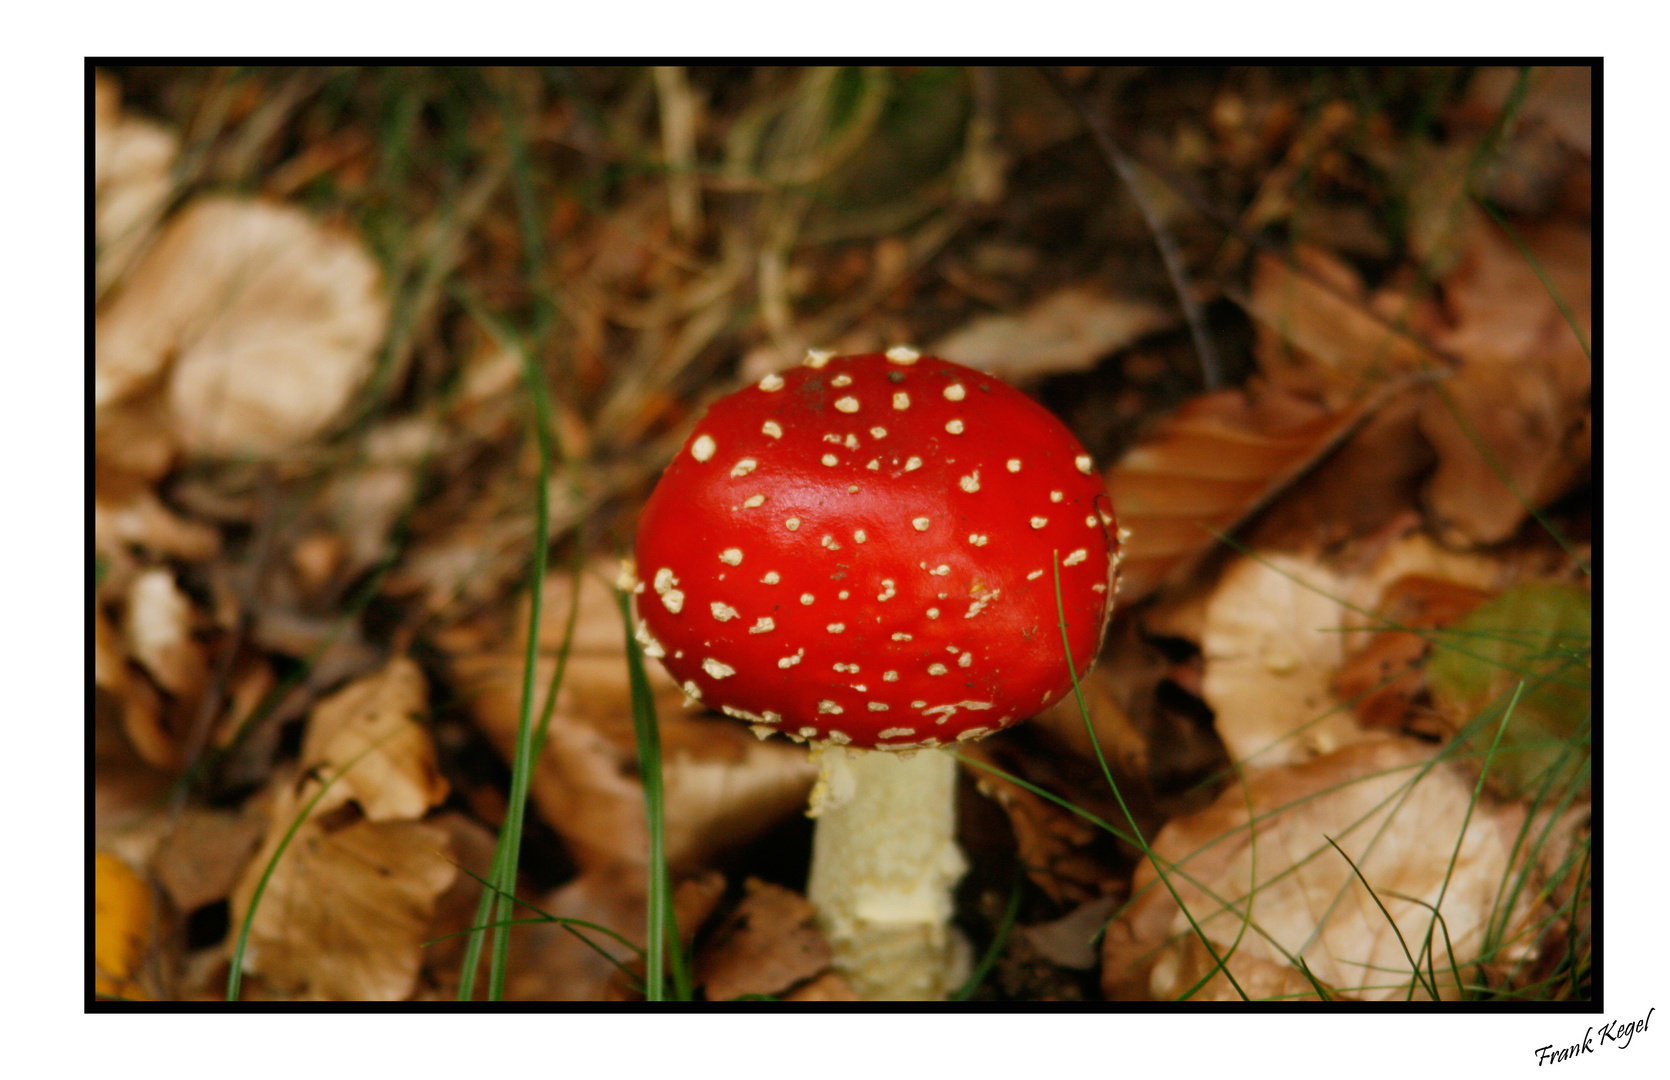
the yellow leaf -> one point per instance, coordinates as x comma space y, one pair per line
121, 927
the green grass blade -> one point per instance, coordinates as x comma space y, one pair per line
659, 913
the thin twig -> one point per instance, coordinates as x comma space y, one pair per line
1211, 369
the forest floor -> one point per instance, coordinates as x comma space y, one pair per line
365, 337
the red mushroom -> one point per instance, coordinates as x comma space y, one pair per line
861, 553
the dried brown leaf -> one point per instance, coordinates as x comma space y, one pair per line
1318, 334
159, 633
373, 724
766, 945
348, 907
1521, 400
1068, 330
366, 500
1272, 643
269, 320
134, 439
1367, 484
723, 786
131, 528
1412, 829
1205, 469
201, 858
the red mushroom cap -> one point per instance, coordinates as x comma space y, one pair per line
860, 551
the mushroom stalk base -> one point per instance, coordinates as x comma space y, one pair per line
884, 862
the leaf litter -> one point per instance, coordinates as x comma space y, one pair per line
1346, 576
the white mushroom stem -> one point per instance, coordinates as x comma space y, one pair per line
884, 862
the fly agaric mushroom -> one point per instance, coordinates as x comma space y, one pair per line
861, 554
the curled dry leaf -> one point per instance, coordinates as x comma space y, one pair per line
157, 635
767, 945
374, 720
1271, 643
132, 159
159, 624
348, 907
270, 321
1521, 400
1210, 465
1068, 330
1411, 827
722, 786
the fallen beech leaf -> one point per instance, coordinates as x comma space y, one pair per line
766, 945
1327, 342
373, 720
1068, 330
157, 633
1411, 826
1208, 467
1520, 401
348, 907
722, 785
1372, 479
1416, 553
472, 846
121, 928
201, 858
270, 321
1271, 644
